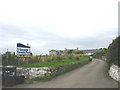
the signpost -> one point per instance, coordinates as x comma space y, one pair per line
23, 51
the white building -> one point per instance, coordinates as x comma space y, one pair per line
91, 51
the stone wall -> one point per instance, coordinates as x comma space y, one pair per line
114, 72
33, 72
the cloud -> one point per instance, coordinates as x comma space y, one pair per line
47, 25
43, 39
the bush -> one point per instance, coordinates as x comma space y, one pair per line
100, 54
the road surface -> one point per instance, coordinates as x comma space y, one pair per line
91, 75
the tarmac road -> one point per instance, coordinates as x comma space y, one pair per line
92, 75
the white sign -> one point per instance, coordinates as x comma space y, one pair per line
23, 51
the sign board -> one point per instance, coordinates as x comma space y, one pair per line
23, 50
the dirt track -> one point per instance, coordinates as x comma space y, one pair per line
91, 75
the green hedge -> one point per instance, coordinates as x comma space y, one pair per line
113, 54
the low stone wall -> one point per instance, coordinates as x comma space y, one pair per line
114, 72
33, 72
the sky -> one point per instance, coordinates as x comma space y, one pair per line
57, 24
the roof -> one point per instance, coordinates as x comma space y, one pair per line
52, 50
84, 51
21, 45
92, 51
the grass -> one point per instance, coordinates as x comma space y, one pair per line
56, 63
43, 79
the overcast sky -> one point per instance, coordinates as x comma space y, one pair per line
57, 24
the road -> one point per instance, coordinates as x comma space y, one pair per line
92, 75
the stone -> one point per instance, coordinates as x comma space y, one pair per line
114, 72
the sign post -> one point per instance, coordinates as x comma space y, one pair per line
23, 52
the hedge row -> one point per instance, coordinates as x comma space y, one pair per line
113, 54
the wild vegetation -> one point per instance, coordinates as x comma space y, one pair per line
9, 58
42, 60
57, 63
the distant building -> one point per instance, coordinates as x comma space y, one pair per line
61, 52
91, 51
53, 52
57, 52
